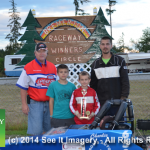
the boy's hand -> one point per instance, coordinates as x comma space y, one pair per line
90, 116
78, 115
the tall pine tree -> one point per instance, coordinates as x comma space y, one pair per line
99, 32
15, 26
30, 36
77, 9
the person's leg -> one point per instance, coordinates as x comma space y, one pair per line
35, 118
46, 117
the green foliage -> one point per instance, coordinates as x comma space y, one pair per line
2, 65
100, 19
109, 11
15, 133
83, 14
112, 3
100, 31
121, 45
116, 49
16, 126
15, 26
2, 53
77, 9
30, 36
10, 49
143, 44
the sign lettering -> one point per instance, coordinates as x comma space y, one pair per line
67, 39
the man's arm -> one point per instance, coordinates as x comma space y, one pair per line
51, 106
94, 81
25, 108
23, 84
125, 86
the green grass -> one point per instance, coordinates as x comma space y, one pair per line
16, 126
140, 97
2, 75
15, 133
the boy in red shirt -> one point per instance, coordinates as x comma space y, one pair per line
84, 101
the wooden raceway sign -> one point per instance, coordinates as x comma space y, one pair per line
67, 38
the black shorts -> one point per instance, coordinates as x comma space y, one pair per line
55, 123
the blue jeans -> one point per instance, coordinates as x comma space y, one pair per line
38, 117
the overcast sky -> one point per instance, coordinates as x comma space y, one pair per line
130, 17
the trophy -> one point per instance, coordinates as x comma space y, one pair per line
84, 113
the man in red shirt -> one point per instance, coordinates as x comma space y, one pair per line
34, 81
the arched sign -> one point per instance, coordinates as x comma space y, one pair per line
65, 22
67, 38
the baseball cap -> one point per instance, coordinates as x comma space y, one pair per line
40, 45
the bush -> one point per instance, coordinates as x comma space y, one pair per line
2, 65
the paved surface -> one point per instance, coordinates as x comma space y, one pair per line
132, 76
139, 76
8, 80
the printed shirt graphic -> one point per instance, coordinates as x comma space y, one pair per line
44, 82
61, 94
36, 77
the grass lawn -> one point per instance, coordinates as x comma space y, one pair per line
15, 133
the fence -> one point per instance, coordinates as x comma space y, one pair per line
10, 99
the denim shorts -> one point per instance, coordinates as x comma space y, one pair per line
38, 117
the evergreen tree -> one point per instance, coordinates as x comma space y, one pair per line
143, 44
30, 36
1, 65
9, 49
2, 53
99, 32
121, 44
76, 3
15, 26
